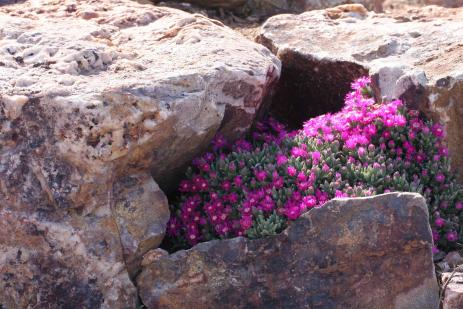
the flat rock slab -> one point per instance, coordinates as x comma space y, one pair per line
353, 253
415, 55
94, 97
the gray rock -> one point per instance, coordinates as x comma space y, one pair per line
352, 253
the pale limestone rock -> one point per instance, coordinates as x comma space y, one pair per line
415, 55
95, 95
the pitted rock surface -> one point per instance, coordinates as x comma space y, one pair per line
415, 55
94, 97
352, 253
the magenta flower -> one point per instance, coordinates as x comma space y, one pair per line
291, 170
437, 130
315, 156
293, 212
260, 175
298, 152
440, 177
281, 159
451, 236
439, 222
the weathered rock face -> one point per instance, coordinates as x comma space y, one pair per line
407, 4
417, 57
270, 7
352, 253
62, 261
93, 96
453, 294
141, 226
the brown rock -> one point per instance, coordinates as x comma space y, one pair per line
140, 222
416, 56
62, 261
352, 253
93, 96
453, 293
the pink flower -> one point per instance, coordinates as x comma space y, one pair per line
226, 185
443, 151
298, 152
361, 151
185, 186
291, 170
459, 205
325, 168
301, 176
451, 236
293, 212
437, 130
435, 235
440, 177
219, 142
246, 222
281, 159
173, 227
309, 201
361, 83
439, 222
260, 175
316, 156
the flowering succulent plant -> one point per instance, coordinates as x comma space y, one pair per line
256, 188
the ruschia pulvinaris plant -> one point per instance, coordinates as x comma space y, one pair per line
257, 188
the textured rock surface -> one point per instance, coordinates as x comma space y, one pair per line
94, 95
267, 7
453, 295
352, 253
141, 226
395, 5
417, 56
62, 261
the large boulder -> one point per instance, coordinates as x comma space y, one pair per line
94, 97
416, 56
352, 253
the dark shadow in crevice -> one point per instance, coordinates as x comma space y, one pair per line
6, 2
310, 87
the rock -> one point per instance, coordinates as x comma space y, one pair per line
395, 5
141, 224
271, 7
453, 258
225, 4
416, 56
453, 293
94, 96
352, 253
62, 261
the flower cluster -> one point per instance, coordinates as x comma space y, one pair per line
257, 188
